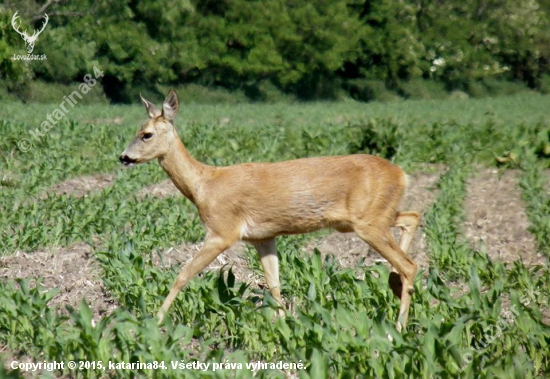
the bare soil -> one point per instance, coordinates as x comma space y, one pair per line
496, 219
83, 185
234, 258
163, 189
73, 270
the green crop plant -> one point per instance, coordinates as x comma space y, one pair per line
471, 316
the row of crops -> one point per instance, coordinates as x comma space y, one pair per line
471, 316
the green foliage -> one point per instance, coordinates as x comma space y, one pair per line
495, 87
338, 329
387, 24
416, 89
379, 137
534, 184
53, 93
194, 93
308, 50
340, 317
369, 90
503, 88
449, 252
296, 45
544, 84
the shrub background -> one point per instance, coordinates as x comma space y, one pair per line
279, 49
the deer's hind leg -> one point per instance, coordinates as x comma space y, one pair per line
381, 240
270, 263
408, 222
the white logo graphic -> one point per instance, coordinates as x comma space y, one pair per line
29, 40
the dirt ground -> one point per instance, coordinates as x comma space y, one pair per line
495, 218
234, 258
163, 189
83, 185
73, 270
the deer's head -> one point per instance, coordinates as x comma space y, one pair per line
29, 40
155, 138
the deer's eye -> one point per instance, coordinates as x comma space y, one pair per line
147, 136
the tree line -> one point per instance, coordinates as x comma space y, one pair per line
308, 49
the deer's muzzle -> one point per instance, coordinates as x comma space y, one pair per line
126, 160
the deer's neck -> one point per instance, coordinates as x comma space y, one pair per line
186, 172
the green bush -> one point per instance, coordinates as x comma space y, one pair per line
5, 94
544, 84
495, 87
416, 89
266, 91
499, 87
306, 49
458, 95
50, 93
53, 93
194, 93
369, 90
476, 89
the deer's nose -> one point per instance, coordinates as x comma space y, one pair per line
126, 160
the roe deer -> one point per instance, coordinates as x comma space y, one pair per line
256, 202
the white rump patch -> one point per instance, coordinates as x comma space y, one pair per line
244, 230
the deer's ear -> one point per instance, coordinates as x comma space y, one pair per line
170, 106
152, 111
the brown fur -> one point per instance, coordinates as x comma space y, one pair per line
257, 202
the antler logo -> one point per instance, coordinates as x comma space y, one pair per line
29, 40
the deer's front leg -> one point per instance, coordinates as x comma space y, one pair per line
213, 246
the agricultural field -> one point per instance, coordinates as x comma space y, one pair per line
89, 249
